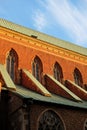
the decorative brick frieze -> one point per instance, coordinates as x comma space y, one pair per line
38, 44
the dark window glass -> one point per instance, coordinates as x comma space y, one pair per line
58, 75
37, 68
12, 64
78, 77
50, 121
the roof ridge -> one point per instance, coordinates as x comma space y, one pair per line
44, 37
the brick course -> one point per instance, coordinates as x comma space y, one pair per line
27, 54
73, 119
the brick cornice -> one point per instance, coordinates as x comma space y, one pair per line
28, 41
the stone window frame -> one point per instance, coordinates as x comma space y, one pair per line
78, 77
57, 72
85, 124
12, 64
57, 114
37, 68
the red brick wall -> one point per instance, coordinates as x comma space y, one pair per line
73, 119
26, 55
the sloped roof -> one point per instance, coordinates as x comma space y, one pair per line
28, 94
54, 99
76, 89
9, 83
41, 36
39, 87
61, 87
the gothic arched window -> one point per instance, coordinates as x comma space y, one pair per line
12, 64
78, 77
37, 68
58, 75
85, 125
50, 121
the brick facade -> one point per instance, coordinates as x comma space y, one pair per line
73, 119
25, 110
27, 54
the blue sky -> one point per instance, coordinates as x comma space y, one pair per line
64, 19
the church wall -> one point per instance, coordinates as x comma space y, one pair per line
27, 53
18, 115
4, 110
26, 116
73, 119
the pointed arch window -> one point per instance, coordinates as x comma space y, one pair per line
78, 77
49, 120
12, 64
85, 124
37, 68
58, 75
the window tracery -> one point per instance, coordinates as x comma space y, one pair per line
12, 64
58, 75
78, 77
50, 121
37, 68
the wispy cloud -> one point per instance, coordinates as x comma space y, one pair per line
39, 20
69, 16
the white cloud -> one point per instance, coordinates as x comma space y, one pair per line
72, 18
39, 20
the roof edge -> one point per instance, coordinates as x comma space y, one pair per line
42, 36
